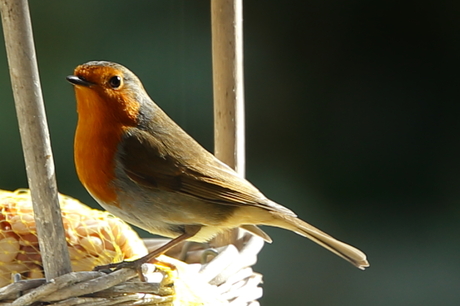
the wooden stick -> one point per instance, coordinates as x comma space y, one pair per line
35, 139
227, 62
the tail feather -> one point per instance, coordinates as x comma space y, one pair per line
347, 252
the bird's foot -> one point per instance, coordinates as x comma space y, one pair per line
136, 265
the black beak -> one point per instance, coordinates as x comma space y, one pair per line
75, 80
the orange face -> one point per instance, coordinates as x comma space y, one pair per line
108, 94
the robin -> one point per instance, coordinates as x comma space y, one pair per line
141, 166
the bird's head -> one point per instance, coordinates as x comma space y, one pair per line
108, 89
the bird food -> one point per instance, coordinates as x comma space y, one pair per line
93, 237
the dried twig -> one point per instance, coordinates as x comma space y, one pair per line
35, 138
102, 282
227, 63
54, 286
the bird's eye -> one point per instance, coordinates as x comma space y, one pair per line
115, 82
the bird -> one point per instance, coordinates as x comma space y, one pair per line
142, 167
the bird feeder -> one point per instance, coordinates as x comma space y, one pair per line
219, 274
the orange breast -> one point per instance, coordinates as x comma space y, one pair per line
98, 134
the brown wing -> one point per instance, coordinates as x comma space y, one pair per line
181, 165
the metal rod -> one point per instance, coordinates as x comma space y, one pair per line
35, 139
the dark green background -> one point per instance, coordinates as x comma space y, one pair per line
352, 121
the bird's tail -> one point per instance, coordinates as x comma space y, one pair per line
347, 252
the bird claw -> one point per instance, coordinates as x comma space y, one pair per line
136, 265
115, 266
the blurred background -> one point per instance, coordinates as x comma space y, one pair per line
352, 115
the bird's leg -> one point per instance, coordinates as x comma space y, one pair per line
189, 231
